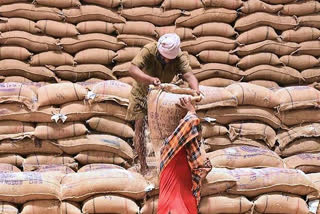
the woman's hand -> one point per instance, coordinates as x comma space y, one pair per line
186, 103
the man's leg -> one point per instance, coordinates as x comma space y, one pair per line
139, 144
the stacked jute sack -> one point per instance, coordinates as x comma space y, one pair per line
246, 145
53, 131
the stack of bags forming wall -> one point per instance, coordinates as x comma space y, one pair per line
65, 144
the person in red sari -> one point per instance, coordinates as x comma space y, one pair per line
182, 166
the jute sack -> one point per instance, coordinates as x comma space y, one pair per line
121, 70
301, 8
250, 94
278, 1
215, 97
112, 203
281, 75
306, 162
216, 82
8, 208
5, 167
13, 52
295, 117
210, 70
55, 58
307, 145
298, 97
54, 131
237, 157
80, 186
217, 181
193, 61
260, 18
57, 29
309, 21
215, 204
20, 187
311, 75
111, 125
280, 203
29, 146
302, 34
2, 2
112, 90
223, 57
315, 178
301, 62
213, 129
126, 54
135, 40
52, 168
107, 4
257, 34
19, 112
94, 142
285, 137
214, 29
150, 206
95, 56
154, 15
162, 107
83, 72
98, 166
309, 48
59, 3
31, 11
92, 40
138, 28
50, 206
225, 4
95, 27
18, 93
253, 6
226, 115
78, 111
34, 86
91, 13
222, 142
18, 24
59, 93
254, 182
11, 67
255, 131
208, 43
183, 32
138, 3
32, 42
13, 159
90, 157
201, 16
176, 4
252, 60
34, 161
265, 83
279, 48
15, 127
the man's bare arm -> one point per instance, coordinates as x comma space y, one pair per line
192, 80
142, 77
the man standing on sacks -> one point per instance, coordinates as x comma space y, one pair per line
157, 62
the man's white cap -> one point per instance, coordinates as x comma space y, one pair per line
169, 45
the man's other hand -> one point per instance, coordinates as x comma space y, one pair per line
156, 81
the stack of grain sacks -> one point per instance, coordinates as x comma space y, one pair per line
55, 129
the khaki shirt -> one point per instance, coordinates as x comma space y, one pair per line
147, 61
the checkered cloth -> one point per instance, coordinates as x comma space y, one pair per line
187, 134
